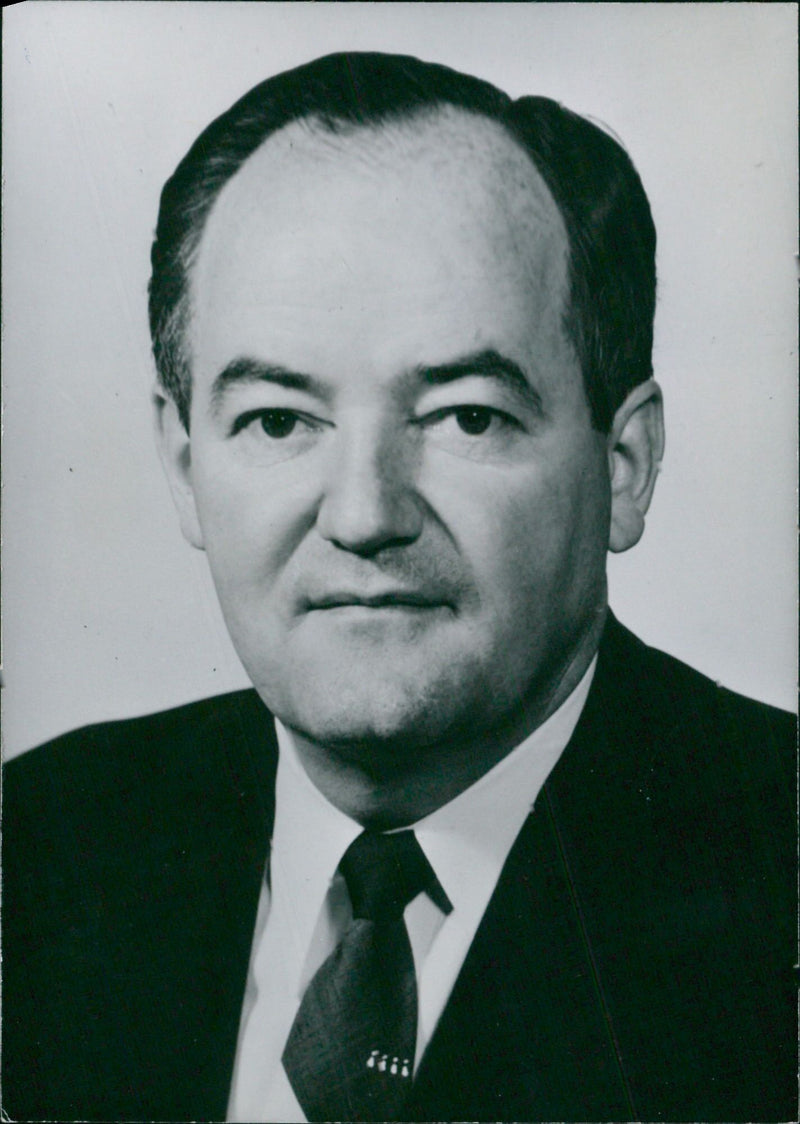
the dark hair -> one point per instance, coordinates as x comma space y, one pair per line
609, 314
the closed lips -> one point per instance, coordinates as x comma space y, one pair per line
389, 600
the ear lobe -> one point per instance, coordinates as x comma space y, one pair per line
635, 449
175, 450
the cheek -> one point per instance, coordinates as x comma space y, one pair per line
530, 538
249, 521
250, 513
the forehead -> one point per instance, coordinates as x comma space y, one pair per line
372, 222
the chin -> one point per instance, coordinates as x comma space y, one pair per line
357, 719
349, 706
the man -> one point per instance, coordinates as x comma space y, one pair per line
470, 850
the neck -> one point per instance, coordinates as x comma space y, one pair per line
382, 787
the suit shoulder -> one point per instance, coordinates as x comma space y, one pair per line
93, 815
149, 762
132, 853
215, 709
671, 692
168, 730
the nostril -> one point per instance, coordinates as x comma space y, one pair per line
369, 515
369, 497
366, 530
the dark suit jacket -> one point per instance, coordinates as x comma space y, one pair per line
635, 962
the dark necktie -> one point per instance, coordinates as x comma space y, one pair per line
350, 1052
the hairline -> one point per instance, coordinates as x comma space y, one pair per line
335, 125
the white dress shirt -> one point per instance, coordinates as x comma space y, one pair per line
304, 906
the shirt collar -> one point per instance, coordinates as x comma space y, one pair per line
466, 841
309, 838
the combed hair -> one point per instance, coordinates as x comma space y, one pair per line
609, 314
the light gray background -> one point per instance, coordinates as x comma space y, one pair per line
107, 612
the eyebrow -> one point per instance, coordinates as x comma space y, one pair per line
488, 364
245, 370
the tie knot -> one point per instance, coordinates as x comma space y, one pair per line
384, 873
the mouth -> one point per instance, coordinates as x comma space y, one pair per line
390, 599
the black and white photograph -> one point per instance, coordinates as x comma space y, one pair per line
399, 564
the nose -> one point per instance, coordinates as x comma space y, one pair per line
369, 500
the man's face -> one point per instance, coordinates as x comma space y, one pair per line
393, 470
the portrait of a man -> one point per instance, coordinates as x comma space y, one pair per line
466, 848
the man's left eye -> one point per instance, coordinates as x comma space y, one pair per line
473, 430
474, 420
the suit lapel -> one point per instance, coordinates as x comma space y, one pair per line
526, 1033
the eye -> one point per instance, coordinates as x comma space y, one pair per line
474, 430
270, 434
473, 420
277, 423
470, 420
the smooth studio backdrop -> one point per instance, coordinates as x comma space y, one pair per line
107, 612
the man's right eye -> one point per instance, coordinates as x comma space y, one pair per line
277, 423
274, 422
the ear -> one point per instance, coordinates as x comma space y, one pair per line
175, 450
635, 449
